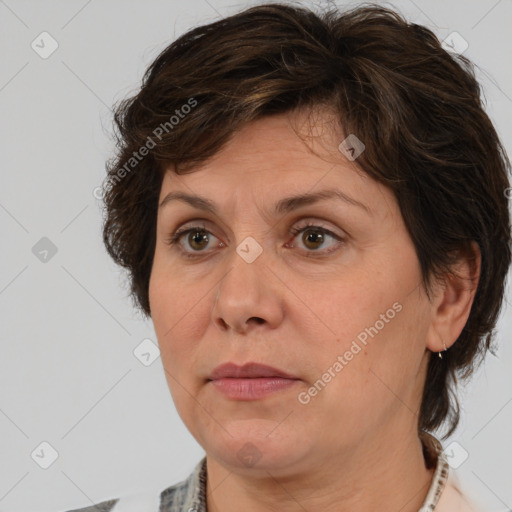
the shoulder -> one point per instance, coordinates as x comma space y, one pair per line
104, 506
140, 502
453, 500
186, 495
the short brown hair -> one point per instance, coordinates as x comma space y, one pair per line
416, 107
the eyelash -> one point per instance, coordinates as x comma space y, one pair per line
174, 238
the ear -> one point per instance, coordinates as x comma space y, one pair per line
453, 299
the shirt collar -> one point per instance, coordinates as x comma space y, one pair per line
434, 457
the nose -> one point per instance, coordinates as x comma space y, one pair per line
249, 297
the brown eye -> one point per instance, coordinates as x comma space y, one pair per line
198, 240
194, 241
312, 238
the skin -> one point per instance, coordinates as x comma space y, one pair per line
354, 446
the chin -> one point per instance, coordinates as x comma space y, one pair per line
255, 444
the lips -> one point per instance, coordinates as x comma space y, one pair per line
247, 371
252, 381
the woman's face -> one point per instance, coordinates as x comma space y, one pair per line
337, 305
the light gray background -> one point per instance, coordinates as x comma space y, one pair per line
68, 331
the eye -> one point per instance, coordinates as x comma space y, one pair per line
313, 236
198, 239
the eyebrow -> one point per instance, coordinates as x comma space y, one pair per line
284, 205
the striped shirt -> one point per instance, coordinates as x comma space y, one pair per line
190, 494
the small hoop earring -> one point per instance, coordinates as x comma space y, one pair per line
445, 348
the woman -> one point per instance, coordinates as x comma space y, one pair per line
313, 212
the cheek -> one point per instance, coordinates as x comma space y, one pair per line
179, 320
344, 310
371, 338
174, 301
382, 361
173, 315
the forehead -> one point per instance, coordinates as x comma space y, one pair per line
274, 158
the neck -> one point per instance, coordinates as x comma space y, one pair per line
386, 474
